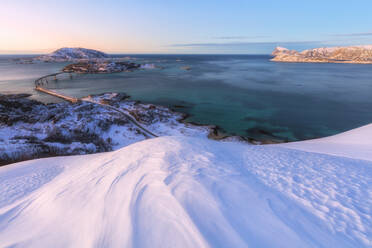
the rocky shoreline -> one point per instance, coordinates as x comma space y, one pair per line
349, 55
31, 129
100, 67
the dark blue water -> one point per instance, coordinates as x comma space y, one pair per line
243, 94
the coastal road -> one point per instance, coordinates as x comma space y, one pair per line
38, 87
124, 112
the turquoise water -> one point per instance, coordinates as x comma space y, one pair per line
244, 95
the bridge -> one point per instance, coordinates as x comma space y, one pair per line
53, 93
44, 79
39, 87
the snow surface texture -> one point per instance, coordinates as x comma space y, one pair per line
191, 192
356, 143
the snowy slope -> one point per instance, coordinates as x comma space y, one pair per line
356, 143
189, 192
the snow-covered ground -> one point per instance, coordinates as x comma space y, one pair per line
179, 191
356, 143
30, 129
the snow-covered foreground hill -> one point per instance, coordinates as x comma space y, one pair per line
193, 192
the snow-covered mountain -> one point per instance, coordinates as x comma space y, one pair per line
73, 54
351, 54
190, 192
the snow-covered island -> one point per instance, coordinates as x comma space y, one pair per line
87, 61
351, 54
73, 54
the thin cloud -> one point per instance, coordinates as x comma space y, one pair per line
243, 44
353, 34
240, 37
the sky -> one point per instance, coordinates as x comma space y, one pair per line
183, 27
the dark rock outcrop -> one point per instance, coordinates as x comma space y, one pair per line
100, 67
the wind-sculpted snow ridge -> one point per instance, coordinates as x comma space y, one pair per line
31, 129
189, 192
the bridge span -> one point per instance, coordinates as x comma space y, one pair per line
39, 87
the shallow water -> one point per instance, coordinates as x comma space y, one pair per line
243, 94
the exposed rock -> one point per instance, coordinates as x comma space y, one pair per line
186, 68
14, 96
267, 137
352, 54
100, 67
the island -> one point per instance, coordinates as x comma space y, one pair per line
73, 54
86, 61
100, 67
351, 54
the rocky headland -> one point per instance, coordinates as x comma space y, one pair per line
351, 54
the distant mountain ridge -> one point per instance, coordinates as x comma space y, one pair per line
72, 54
351, 54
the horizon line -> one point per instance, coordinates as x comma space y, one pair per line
142, 53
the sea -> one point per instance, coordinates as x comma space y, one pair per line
245, 95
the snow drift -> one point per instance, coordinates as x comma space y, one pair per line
356, 143
191, 192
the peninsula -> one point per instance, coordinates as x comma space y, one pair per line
351, 54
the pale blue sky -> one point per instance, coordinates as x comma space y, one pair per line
165, 26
